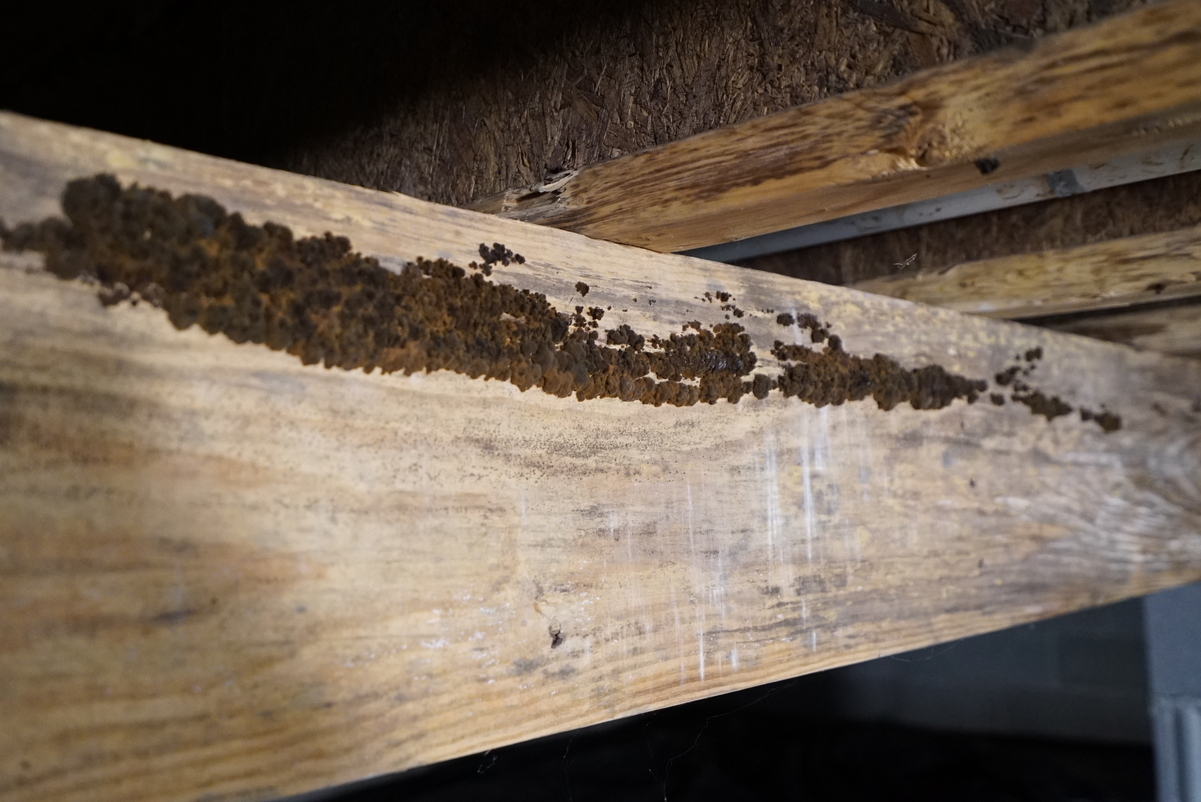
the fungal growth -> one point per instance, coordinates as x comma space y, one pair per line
321, 301
497, 253
1039, 403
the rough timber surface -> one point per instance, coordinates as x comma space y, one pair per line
1081, 96
570, 87
231, 576
1158, 206
461, 99
1171, 328
1117, 273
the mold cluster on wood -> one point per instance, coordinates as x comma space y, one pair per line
832, 375
321, 301
1049, 406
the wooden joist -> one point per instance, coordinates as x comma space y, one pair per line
1171, 328
1139, 291
230, 575
1104, 275
1125, 85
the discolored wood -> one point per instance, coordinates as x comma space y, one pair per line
1110, 274
1077, 97
1173, 328
229, 575
1160, 205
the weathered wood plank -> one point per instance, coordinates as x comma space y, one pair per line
1073, 98
1168, 328
1103, 275
229, 575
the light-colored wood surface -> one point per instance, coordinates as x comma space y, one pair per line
1121, 86
1171, 329
230, 576
1104, 275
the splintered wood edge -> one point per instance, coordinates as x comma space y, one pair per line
1075, 97
301, 577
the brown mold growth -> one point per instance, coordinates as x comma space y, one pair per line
832, 376
1105, 419
319, 300
1039, 403
726, 300
324, 303
497, 253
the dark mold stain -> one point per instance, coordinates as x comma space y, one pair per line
725, 299
1108, 421
832, 376
1039, 403
499, 253
817, 331
1050, 407
986, 166
1006, 377
319, 300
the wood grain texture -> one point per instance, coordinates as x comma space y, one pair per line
407, 97
1173, 328
230, 576
1104, 275
1072, 98
575, 85
1159, 206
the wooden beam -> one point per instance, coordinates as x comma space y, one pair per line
1131, 290
228, 574
1127, 84
1167, 328
1143, 167
1103, 275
